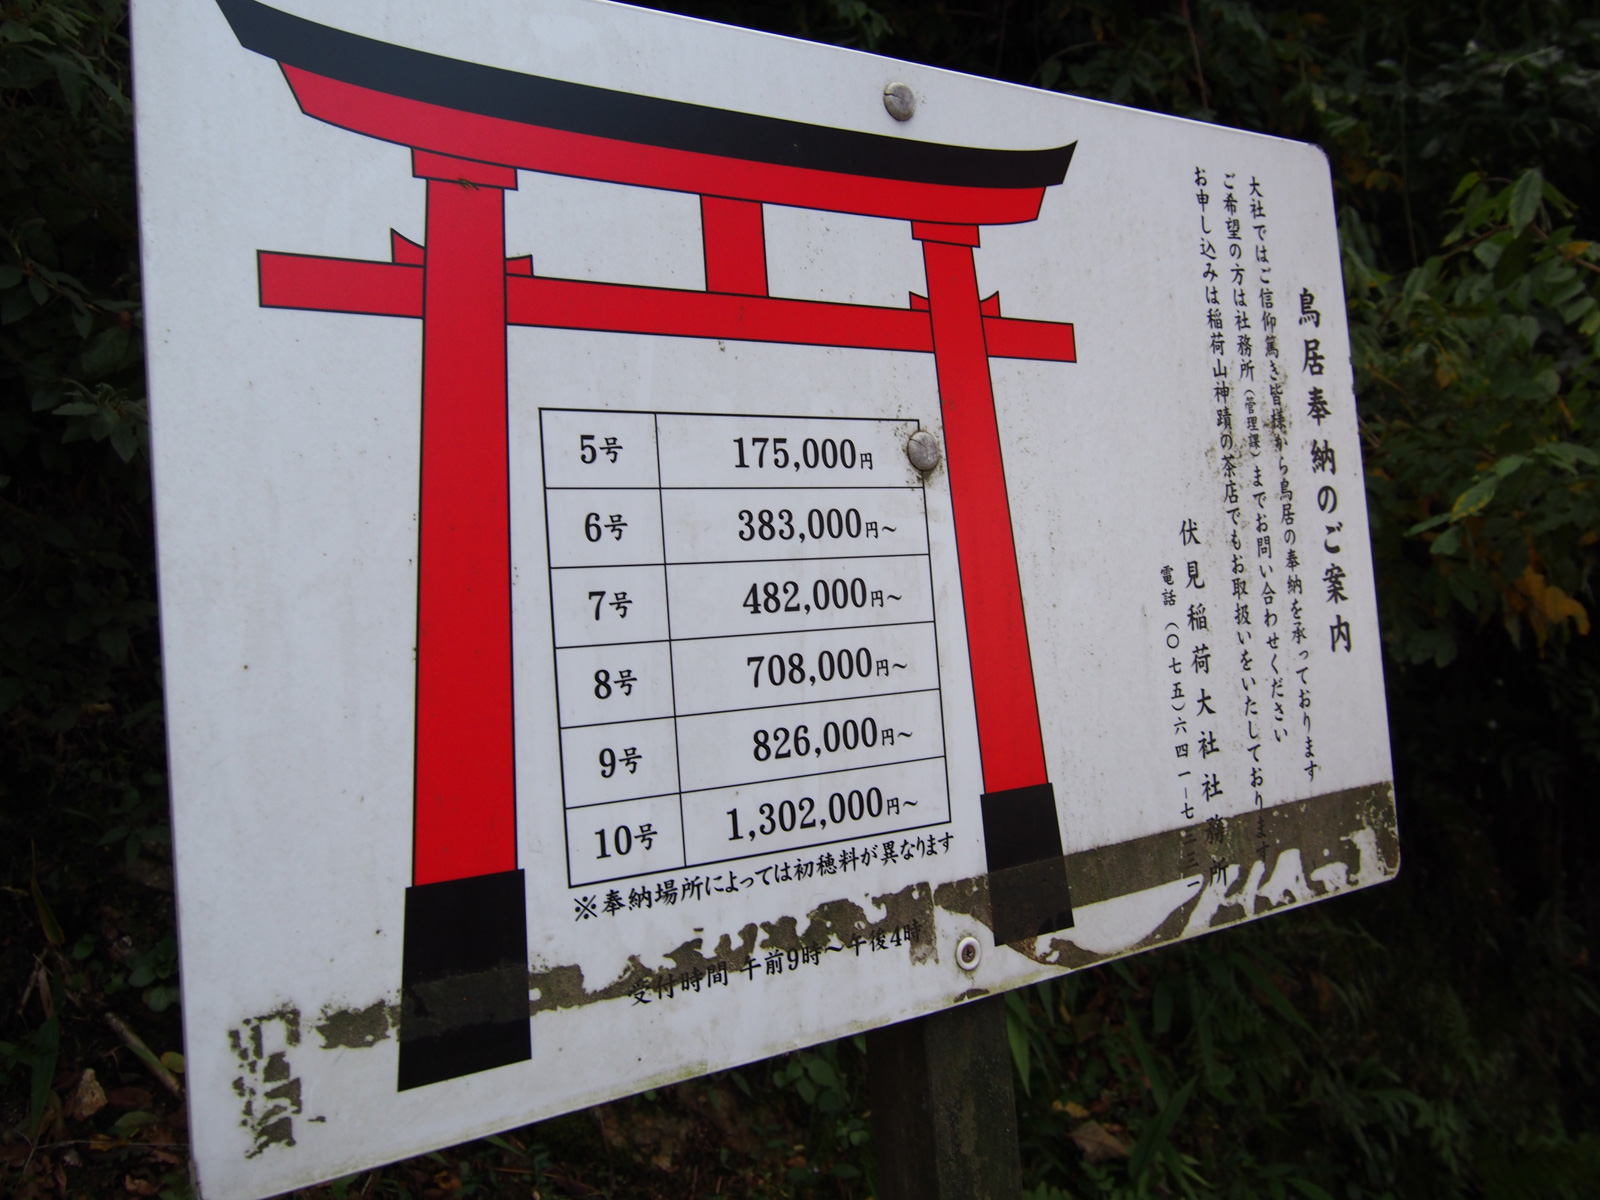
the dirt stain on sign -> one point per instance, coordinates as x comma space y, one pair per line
834, 924
1127, 897
357, 1028
1248, 865
269, 1090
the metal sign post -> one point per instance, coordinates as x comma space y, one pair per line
653, 610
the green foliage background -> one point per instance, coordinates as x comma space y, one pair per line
1433, 1038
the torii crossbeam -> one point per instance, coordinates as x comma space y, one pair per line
470, 128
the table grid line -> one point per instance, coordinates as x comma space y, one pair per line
722, 712
744, 783
672, 665
717, 637
726, 562
730, 487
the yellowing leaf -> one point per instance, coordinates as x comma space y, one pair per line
1546, 605
1476, 498
1097, 1142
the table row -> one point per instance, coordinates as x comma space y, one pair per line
660, 833
597, 448
605, 526
638, 681
606, 605
601, 764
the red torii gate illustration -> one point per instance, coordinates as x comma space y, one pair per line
470, 128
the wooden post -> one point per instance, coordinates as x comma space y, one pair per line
944, 1115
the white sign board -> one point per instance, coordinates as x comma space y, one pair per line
574, 685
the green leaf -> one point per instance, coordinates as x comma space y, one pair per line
1419, 283
160, 997
72, 82
1513, 264
820, 1070
125, 441
1147, 1063
1018, 1037
1308, 1189
1162, 1006
1525, 197
1468, 181
106, 352
1569, 455
129, 1123
1432, 522
1270, 990
1156, 1135
1447, 542
1489, 252
41, 1051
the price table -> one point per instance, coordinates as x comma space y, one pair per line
746, 658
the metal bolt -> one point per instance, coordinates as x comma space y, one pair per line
900, 100
969, 953
923, 450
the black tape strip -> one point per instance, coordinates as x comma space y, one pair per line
1030, 901
464, 978
1028, 892
579, 108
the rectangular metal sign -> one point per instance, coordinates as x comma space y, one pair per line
671, 552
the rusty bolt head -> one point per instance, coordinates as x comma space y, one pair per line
923, 450
969, 953
900, 100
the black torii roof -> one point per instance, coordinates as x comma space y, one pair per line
625, 116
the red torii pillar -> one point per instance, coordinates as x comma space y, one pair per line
466, 821
464, 984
